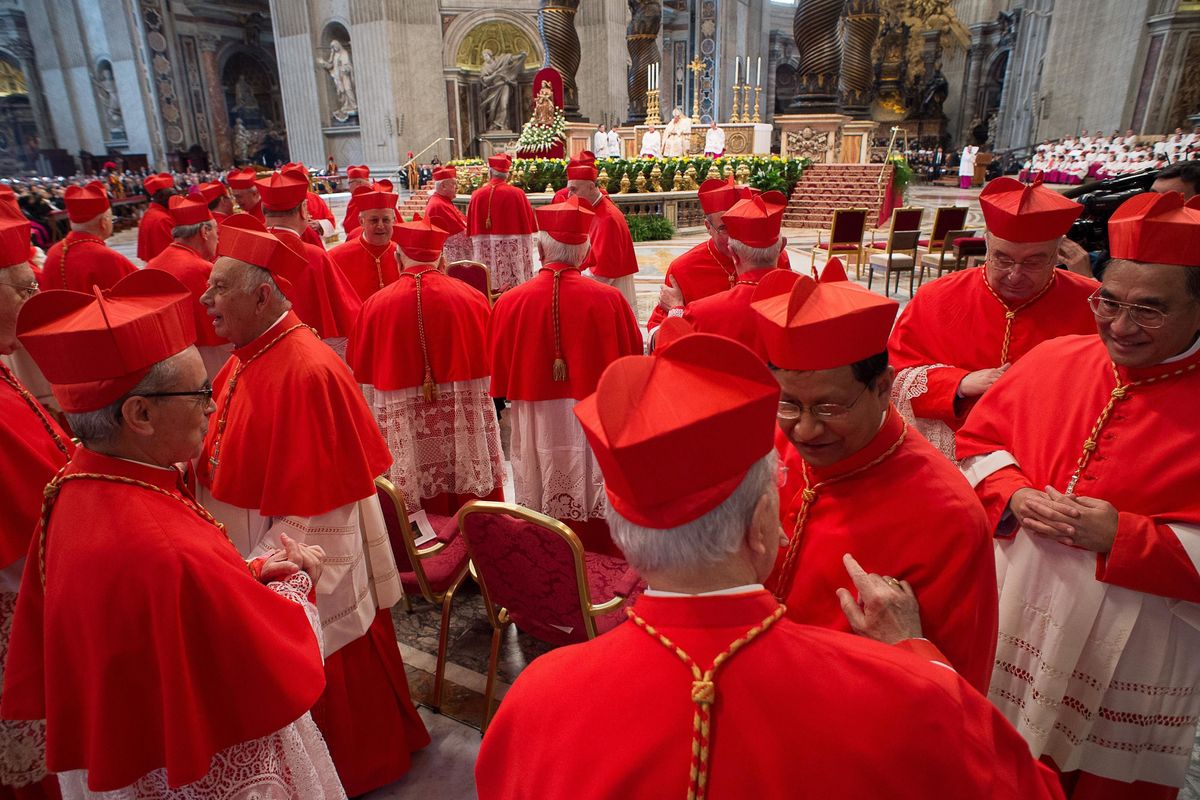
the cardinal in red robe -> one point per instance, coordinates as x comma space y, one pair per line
753, 225
709, 689
611, 258
154, 228
82, 259
121, 661
357, 175
32, 449
421, 348
853, 471
960, 332
189, 258
318, 217
707, 268
500, 224
322, 296
245, 192
1083, 455
442, 212
368, 260
550, 339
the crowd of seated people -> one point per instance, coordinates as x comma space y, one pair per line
1087, 157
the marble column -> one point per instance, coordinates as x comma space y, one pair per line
642, 40
298, 81
560, 41
815, 27
214, 93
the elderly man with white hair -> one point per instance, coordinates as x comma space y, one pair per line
441, 211
295, 452
501, 227
176, 637
612, 259
709, 690
83, 259
678, 139
550, 339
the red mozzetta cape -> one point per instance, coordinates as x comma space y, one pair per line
912, 516
700, 272
350, 222
321, 297
1043, 410
192, 271
597, 329
299, 439
729, 313
154, 231
611, 255
33, 448
956, 321
505, 205
318, 208
169, 654
366, 267
788, 719
385, 348
88, 261
444, 214
309, 236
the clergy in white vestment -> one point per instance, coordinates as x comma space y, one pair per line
714, 141
600, 143
651, 144
679, 135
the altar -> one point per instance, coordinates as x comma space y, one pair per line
741, 138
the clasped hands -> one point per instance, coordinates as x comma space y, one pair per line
292, 558
1084, 522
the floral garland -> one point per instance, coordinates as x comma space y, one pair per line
537, 138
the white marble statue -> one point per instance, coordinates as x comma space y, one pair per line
106, 90
341, 72
498, 75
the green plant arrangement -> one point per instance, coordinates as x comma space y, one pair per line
649, 229
540, 138
902, 173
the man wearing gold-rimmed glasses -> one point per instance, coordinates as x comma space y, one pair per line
1084, 456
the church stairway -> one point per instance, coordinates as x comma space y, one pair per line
823, 188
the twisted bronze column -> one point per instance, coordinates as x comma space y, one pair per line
641, 38
859, 32
815, 26
560, 41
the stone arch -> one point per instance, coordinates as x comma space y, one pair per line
250, 85
339, 29
991, 87
464, 24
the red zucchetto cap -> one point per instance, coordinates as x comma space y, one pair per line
189, 210
86, 202
500, 163
568, 222
14, 236
366, 197
282, 191
582, 169
699, 395
241, 178
156, 183
243, 237
1156, 228
1018, 212
721, 195
94, 348
420, 239
212, 190
755, 221
445, 173
811, 325
358, 172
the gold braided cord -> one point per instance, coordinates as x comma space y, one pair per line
1119, 392
731, 275
8, 377
67, 242
215, 459
788, 571
1010, 314
428, 386
487, 222
50, 495
558, 370
704, 692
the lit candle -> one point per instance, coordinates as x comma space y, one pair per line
759, 81
737, 64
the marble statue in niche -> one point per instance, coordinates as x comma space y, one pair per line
341, 72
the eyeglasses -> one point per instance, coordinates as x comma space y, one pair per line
203, 394
792, 412
1142, 316
26, 290
1008, 265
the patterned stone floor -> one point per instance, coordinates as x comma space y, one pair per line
444, 770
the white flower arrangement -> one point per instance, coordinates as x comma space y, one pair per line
538, 138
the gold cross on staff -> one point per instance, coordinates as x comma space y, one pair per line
697, 67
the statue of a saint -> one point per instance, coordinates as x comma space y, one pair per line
243, 95
341, 72
106, 90
243, 140
499, 78
543, 105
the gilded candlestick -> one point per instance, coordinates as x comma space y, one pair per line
757, 96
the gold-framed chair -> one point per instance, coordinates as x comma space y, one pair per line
435, 572
846, 231
555, 600
945, 220
900, 257
907, 218
945, 257
475, 274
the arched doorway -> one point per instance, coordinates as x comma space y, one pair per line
255, 108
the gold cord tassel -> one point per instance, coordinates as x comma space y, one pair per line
559, 370
428, 387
